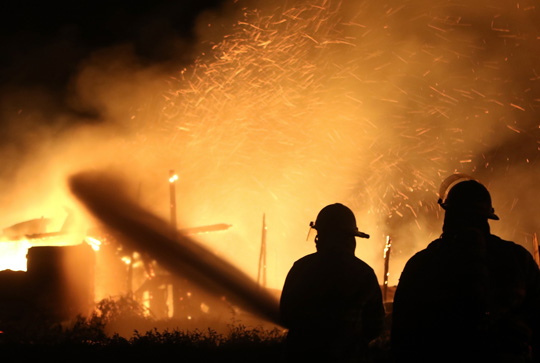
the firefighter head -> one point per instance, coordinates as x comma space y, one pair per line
468, 208
336, 224
470, 198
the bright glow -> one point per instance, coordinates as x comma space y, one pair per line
387, 246
205, 308
170, 301
94, 243
306, 103
173, 178
146, 302
126, 260
361, 102
13, 255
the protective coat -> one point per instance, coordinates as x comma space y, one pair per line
332, 305
469, 297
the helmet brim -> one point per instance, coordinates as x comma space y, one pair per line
361, 234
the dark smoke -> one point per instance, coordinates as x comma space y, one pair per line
73, 73
46, 47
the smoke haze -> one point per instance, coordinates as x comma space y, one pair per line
284, 108
106, 198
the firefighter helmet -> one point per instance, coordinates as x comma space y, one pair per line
469, 196
339, 219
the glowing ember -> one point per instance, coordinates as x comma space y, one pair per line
305, 103
94, 243
368, 103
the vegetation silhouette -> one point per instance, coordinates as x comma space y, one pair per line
93, 338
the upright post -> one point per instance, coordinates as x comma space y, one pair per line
176, 303
172, 187
262, 256
387, 248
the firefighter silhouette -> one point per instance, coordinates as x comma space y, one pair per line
331, 300
469, 296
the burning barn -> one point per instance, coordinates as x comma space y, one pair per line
59, 275
46, 275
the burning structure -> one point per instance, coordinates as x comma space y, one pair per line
56, 277
45, 275
59, 275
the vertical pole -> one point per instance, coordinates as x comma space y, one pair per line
174, 284
387, 249
262, 256
172, 184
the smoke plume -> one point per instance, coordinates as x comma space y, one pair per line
280, 108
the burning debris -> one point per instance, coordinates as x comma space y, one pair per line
58, 275
101, 194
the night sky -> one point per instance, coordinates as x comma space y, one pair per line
44, 43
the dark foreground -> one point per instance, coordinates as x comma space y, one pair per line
86, 343
241, 345
117, 332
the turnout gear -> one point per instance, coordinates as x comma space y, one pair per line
331, 300
469, 296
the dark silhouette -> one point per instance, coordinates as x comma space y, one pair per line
331, 301
469, 296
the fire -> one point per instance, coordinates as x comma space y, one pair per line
93, 242
13, 255
367, 103
372, 104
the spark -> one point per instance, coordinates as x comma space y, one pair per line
513, 129
368, 103
518, 107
